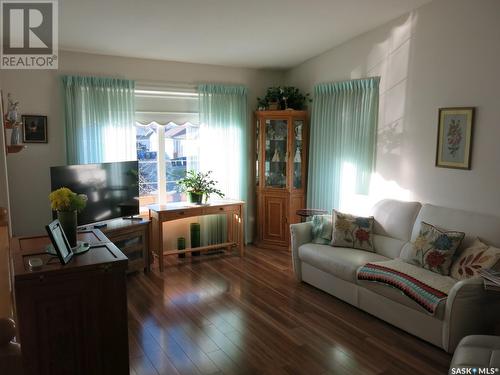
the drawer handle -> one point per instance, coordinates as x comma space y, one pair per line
221, 208
181, 212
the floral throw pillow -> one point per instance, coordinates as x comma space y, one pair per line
434, 249
322, 229
473, 259
352, 231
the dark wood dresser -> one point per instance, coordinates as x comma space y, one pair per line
72, 319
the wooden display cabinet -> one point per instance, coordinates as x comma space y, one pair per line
281, 174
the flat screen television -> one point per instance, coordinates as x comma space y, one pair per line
112, 189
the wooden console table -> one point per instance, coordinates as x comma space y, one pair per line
159, 214
72, 318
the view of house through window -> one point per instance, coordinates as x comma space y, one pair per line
167, 132
165, 153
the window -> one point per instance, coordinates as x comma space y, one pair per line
165, 153
167, 134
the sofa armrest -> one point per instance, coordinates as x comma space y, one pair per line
470, 309
299, 234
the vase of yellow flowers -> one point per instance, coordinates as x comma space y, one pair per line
67, 204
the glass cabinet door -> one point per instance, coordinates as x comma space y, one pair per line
276, 153
298, 153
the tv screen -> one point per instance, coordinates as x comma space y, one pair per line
112, 189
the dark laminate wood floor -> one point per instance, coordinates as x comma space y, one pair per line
223, 314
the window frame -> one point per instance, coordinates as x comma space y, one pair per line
172, 103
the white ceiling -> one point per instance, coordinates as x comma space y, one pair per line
253, 33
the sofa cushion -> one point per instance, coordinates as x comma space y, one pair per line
398, 296
352, 231
338, 261
476, 257
434, 248
428, 289
322, 229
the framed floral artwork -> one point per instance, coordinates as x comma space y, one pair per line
34, 129
454, 143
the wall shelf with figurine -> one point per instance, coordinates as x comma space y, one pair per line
12, 149
10, 123
280, 169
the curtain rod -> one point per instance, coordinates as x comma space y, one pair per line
167, 113
166, 86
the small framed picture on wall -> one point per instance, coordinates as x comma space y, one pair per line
454, 143
34, 129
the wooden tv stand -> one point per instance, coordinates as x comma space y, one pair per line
131, 237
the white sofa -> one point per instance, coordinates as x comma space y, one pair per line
469, 309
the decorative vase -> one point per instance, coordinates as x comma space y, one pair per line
195, 232
276, 156
196, 198
15, 137
68, 220
181, 245
297, 158
298, 132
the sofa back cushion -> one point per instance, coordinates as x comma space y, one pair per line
485, 227
394, 221
394, 218
388, 246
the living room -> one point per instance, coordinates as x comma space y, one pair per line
203, 82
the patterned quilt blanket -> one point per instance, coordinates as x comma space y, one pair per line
408, 279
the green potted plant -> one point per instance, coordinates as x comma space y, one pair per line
67, 204
286, 97
271, 100
199, 186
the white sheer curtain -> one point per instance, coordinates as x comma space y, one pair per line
223, 147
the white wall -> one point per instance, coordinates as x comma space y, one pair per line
444, 54
39, 93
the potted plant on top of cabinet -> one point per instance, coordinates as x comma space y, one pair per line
280, 98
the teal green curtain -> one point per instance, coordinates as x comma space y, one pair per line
99, 115
224, 149
343, 131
